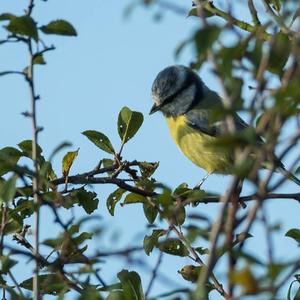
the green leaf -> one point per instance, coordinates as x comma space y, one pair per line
274, 270
116, 295
179, 215
59, 27
147, 169
194, 13
49, 284
202, 251
23, 25
100, 140
25, 208
39, 60
166, 202
108, 163
150, 212
205, 37
26, 147
279, 53
134, 198
111, 287
6, 264
90, 293
82, 237
294, 234
9, 157
174, 247
151, 241
113, 199
6, 17
88, 200
129, 123
190, 272
14, 222
8, 189
165, 199
132, 285
67, 162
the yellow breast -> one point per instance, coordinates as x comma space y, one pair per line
197, 146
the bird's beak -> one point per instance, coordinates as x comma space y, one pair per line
154, 109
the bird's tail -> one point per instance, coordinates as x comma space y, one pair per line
289, 175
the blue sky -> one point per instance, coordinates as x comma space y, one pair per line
87, 80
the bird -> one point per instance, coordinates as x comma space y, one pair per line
188, 104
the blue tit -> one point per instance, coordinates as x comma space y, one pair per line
187, 104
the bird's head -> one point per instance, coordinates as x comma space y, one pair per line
175, 90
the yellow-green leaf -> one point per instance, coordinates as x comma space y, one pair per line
246, 280
68, 162
134, 198
194, 13
39, 60
23, 25
190, 273
147, 169
6, 16
59, 27
49, 284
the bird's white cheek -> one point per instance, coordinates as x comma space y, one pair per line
156, 99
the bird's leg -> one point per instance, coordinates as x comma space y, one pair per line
198, 186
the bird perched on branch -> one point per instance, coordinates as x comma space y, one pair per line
188, 105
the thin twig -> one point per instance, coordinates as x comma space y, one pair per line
178, 291
35, 183
16, 283
253, 12
215, 232
154, 272
198, 260
209, 6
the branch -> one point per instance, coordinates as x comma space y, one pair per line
16, 283
30, 7
209, 6
105, 180
12, 72
35, 179
123, 252
253, 12
164, 295
197, 259
215, 232
277, 18
253, 197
